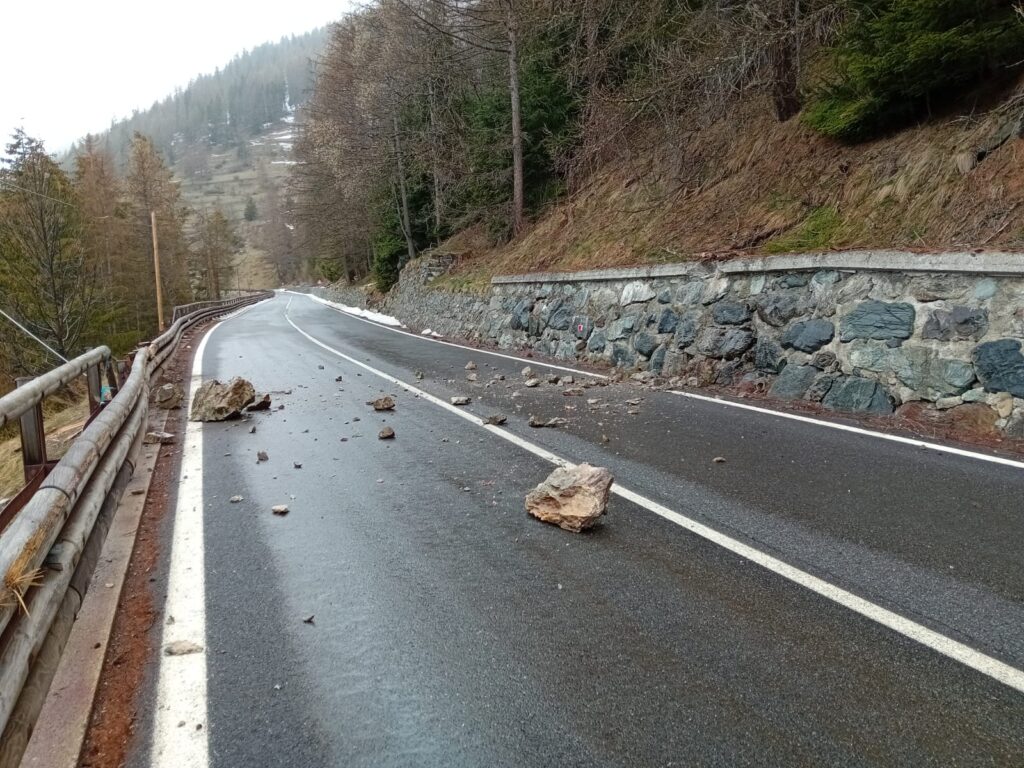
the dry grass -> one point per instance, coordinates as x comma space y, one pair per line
63, 417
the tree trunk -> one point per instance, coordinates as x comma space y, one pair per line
404, 197
436, 169
786, 66
518, 218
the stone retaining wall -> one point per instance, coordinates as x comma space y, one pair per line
863, 331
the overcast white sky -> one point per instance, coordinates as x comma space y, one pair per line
70, 66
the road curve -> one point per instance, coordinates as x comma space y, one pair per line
449, 628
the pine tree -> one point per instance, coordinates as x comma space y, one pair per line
251, 213
46, 277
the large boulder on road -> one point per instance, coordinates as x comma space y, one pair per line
571, 498
214, 401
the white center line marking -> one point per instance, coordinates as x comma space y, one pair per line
960, 652
937, 447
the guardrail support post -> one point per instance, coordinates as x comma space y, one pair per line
92, 377
33, 437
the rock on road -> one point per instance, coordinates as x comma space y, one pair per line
408, 612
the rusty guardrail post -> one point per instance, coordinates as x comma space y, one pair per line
95, 386
33, 436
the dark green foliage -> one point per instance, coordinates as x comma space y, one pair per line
390, 251
388, 246
250, 210
899, 59
549, 111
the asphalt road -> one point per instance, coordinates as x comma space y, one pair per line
451, 629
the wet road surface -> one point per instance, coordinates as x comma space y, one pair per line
449, 628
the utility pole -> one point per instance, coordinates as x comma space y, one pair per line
156, 273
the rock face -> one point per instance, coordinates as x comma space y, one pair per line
878, 320
573, 499
956, 324
168, 397
730, 313
809, 335
214, 401
725, 343
793, 382
878, 337
853, 393
1000, 366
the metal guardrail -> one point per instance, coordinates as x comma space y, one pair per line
51, 541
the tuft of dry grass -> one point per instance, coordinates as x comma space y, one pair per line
17, 585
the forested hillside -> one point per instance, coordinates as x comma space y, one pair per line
209, 164
522, 134
257, 88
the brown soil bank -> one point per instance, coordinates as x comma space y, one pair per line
747, 184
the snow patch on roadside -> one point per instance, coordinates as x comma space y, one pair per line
366, 314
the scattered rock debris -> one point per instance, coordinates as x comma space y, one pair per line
496, 420
161, 438
236, 499
309, 620
252, 430
280, 510
471, 377
531, 383
419, 375
719, 460
385, 403
215, 401
538, 423
337, 379
386, 434
182, 648
470, 366
461, 400
262, 456
168, 397
573, 498
297, 464
527, 372
263, 404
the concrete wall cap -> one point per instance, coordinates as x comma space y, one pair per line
962, 262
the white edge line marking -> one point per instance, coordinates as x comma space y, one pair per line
181, 686
938, 447
953, 649
856, 430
